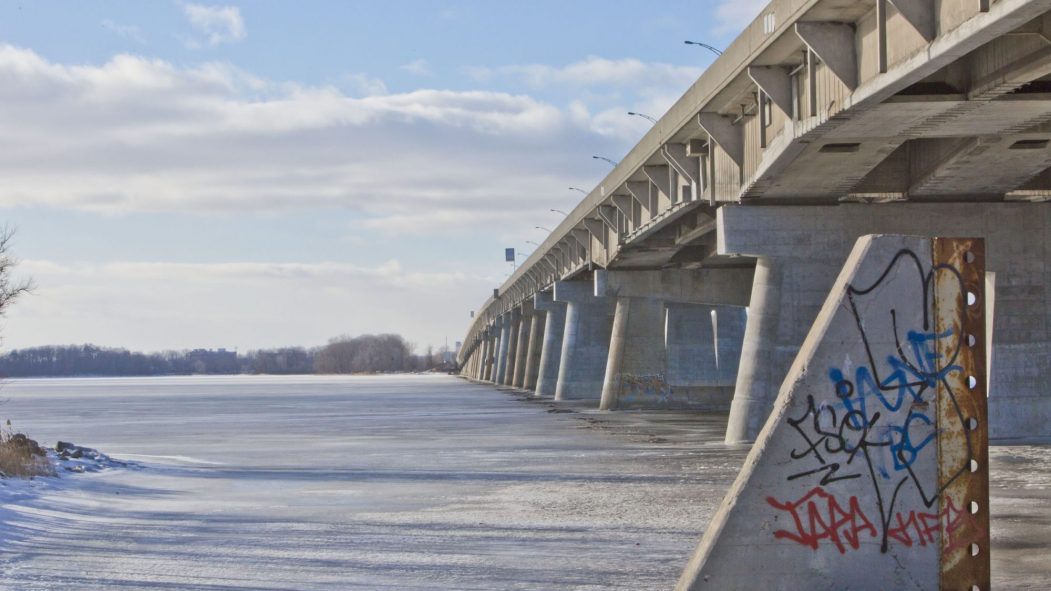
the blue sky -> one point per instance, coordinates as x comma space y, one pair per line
259, 174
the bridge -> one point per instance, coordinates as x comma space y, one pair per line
690, 275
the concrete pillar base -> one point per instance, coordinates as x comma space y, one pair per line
551, 350
585, 343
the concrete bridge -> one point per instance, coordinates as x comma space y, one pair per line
689, 277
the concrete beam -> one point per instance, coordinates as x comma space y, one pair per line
658, 175
597, 229
730, 137
607, 214
685, 165
802, 249
640, 190
834, 44
624, 204
775, 82
717, 286
919, 14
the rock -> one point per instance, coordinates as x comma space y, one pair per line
64, 446
77, 453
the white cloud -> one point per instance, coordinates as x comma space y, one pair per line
365, 85
160, 305
594, 71
732, 16
219, 24
127, 31
418, 67
137, 134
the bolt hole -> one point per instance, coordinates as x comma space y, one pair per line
974, 549
968, 257
972, 298
971, 340
974, 465
974, 507
972, 424
972, 382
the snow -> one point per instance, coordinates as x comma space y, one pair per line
396, 482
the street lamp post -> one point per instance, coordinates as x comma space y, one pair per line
704, 45
644, 116
559, 211
579, 190
613, 162
542, 228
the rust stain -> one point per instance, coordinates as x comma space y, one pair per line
963, 434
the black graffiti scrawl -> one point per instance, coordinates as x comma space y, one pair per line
877, 424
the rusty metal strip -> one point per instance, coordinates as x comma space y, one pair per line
963, 434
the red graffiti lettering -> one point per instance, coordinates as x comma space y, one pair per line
924, 525
961, 528
819, 516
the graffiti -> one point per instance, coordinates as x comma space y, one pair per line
823, 518
876, 426
648, 388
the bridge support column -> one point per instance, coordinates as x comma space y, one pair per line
525, 315
636, 353
665, 350
551, 349
537, 323
704, 348
504, 336
764, 357
486, 371
514, 321
801, 249
585, 344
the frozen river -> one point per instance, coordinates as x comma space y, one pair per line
401, 482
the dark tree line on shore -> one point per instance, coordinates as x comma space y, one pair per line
361, 354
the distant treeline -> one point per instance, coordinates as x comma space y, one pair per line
345, 354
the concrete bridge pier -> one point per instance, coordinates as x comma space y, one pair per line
514, 321
487, 355
636, 352
534, 346
502, 340
764, 357
664, 351
703, 352
551, 346
801, 249
585, 342
525, 314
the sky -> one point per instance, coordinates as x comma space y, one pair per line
263, 174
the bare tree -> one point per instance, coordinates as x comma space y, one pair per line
10, 288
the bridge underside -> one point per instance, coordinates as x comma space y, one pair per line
689, 277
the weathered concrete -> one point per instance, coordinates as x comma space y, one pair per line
502, 344
522, 343
657, 361
761, 355
731, 286
534, 348
872, 471
515, 321
636, 364
551, 351
487, 356
800, 248
704, 346
585, 342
